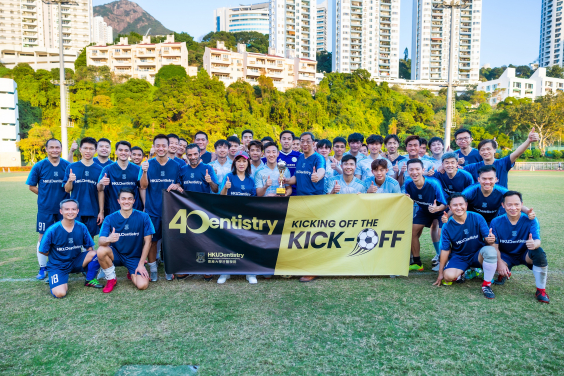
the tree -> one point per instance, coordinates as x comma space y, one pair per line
324, 61
169, 71
555, 71
81, 59
405, 69
34, 145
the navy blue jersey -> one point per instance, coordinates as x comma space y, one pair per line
159, 177
426, 196
206, 157
472, 157
239, 187
512, 239
97, 161
131, 231
488, 207
49, 181
502, 167
461, 180
291, 160
63, 247
398, 159
466, 239
304, 168
181, 162
119, 179
194, 179
84, 188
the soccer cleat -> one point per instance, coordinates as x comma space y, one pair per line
42, 274
435, 261
445, 283
181, 277
461, 278
169, 277
109, 286
415, 268
129, 276
488, 292
222, 278
501, 280
308, 278
154, 276
93, 283
542, 296
208, 277
252, 279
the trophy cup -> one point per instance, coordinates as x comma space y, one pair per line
281, 190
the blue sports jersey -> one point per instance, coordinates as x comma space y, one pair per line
264, 173
132, 230
254, 169
359, 156
63, 247
181, 162
97, 161
390, 185
355, 186
121, 179
291, 160
472, 157
221, 169
426, 196
436, 163
502, 167
49, 181
159, 177
84, 188
427, 165
194, 179
489, 207
397, 160
238, 187
304, 170
512, 238
364, 168
461, 180
464, 239
206, 157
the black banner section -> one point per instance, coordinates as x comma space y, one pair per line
213, 234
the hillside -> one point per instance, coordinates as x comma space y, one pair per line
125, 16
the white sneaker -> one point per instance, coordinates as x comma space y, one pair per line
436, 268
435, 260
252, 279
222, 278
169, 277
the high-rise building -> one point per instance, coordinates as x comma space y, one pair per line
366, 36
9, 123
430, 51
242, 18
550, 34
292, 27
321, 24
101, 32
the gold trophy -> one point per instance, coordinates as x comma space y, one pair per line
281, 190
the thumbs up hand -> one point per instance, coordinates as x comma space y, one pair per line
404, 167
444, 217
228, 184
113, 236
314, 176
461, 161
105, 180
333, 163
74, 146
431, 172
530, 242
372, 188
531, 214
145, 166
337, 187
533, 136
490, 239
208, 177
433, 208
72, 177
268, 181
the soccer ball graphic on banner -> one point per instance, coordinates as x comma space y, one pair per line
366, 240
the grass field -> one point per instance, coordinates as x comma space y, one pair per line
334, 326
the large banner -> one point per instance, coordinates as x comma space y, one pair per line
368, 234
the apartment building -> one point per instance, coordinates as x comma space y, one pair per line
141, 60
366, 36
101, 32
550, 49
9, 124
253, 17
293, 27
230, 66
430, 51
321, 25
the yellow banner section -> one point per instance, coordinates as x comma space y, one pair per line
367, 234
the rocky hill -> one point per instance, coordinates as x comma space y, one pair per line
125, 16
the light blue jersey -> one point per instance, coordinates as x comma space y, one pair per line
355, 186
255, 169
364, 168
221, 169
262, 175
390, 185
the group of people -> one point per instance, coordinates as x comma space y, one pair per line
478, 227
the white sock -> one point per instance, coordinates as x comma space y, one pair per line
110, 273
489, 270
41, 259
152, 266
540, 272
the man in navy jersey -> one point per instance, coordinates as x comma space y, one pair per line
453, 180
46, 181
310, 169
392, 144
80, 181
63, 243
155, 175
222, 165
197, 176
119, 175
466, 243
518, 242
103, 149
173, 141
466, 153
288, 154
428, 194
487, 150
125, 240
201, 139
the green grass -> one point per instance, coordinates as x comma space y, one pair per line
335, 326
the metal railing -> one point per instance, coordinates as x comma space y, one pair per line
538, 166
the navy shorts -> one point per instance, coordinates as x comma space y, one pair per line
91, 224
158, 225
515, 260
46, 220
426, 219
130, 263
59, 277
463, 262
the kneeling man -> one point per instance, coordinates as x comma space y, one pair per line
518, 242
463, 245
63, 243
125, 240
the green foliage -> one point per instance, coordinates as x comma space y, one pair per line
169, 71
324, 61
81, 59
536, 153
556, 154
555, 71
527, 154
28, 116
405, 68
521, 71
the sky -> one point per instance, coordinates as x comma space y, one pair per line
510, 28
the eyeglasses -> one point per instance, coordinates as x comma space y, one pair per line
463, 138
306, 141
